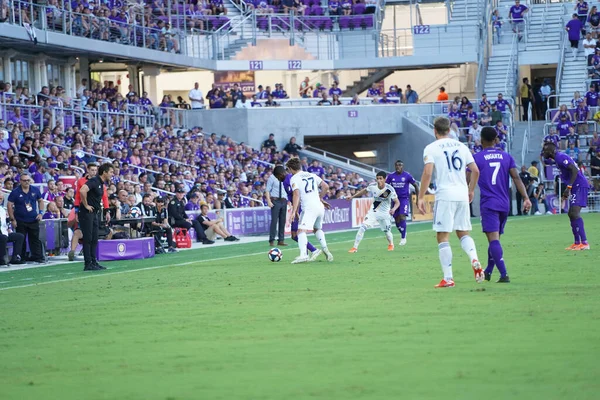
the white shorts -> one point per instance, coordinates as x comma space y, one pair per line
210, 233
312, 218
450, 216
382, 219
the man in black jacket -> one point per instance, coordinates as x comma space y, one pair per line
179, 219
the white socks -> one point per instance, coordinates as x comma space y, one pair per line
321, 236
468, 245
302, 242
359, 236
389, 237
446, 260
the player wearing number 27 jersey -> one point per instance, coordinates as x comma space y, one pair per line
308, 191
446, 159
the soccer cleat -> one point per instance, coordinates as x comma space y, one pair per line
584, 246
574, 246
315, 255
300, 259
503, 279
328, 254
487, 276
353, 250
390, 247
403, 242
445, 283
71, 255
477, 271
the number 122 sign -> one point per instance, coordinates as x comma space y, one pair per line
421, 30
294, 64
256, 65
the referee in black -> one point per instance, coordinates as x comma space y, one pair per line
90, 212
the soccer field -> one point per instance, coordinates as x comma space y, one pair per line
225, 323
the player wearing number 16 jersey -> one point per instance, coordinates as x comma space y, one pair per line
449, 158
308, 191
495, 169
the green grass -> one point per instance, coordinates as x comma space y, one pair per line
368, 326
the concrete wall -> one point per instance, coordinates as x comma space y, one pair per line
329, 127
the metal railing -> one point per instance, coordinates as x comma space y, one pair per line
337, 157
561, 59
485, 48
512, 71
525, 148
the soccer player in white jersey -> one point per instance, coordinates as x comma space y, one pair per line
381, 211
449, 158
306, 188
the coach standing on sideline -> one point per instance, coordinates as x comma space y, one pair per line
90, 212
25, 205
277, 201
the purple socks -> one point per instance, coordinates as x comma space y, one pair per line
575, 230
401, 225
581, 230
309, 246
495, 258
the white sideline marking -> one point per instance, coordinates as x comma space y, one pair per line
188, 263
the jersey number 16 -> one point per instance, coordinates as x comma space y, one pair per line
457, 162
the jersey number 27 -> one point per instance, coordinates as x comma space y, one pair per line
308, 181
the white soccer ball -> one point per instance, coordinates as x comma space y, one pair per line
136, 212
275, 255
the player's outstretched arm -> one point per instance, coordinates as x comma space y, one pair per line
473, 179
514, 174
358, 194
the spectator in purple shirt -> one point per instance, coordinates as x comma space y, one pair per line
373, 91
334, 7
582, 9
18, 118
316, 169
574, 27
563, 126
484, 103
582, 116
335, 90
454, 115
516, 16
591, 97
501, 104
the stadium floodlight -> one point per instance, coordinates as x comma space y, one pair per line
365, 154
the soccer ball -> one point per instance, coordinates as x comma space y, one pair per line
275, 255
136, 212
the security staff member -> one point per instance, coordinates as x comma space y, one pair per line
90, 211
179, 219
25, 205
15, 238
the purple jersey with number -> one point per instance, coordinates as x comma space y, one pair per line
401, 183
581, 187
494, 175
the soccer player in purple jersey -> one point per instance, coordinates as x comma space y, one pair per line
495, 168
576, 192
400, 181
284, 178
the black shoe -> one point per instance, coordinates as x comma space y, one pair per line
98, 266
229, 239
503, 279
41, 261
17, 262
235, 239
91, 268
487, 276
206, 241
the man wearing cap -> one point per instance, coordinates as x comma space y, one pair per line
15, 238
179, 219
277, 201
25, 207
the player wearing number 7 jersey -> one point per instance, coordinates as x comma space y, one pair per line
308, 191
496, 167
449, 158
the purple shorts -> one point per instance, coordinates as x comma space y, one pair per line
579, 195
493, 221
404, 208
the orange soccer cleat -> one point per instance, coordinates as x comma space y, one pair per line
353, 250
479, 275
574, 246
390, 247
445, 283
584, 246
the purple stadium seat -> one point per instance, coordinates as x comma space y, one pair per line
262, 23
367, 21
345, 22
316, 10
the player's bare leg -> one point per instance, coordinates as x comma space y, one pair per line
445, 253
468, 245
